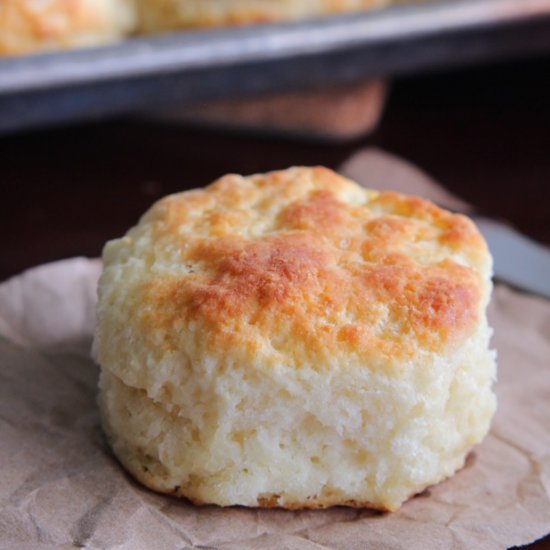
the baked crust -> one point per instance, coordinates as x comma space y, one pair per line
371, 276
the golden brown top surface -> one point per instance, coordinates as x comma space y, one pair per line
304, 265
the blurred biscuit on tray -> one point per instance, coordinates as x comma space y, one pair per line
28, 26
163, 15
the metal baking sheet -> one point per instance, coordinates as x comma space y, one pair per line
191, 66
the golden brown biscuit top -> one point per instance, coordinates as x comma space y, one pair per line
303, 265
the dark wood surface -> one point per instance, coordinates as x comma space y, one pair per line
484, 133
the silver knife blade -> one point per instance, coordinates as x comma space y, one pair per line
518, 260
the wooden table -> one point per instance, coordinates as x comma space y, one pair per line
484, 133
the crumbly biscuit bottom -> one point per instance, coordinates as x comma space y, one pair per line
164, 453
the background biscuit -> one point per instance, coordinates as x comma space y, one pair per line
28, 26
162, 15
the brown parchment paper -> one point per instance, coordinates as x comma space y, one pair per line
61, 488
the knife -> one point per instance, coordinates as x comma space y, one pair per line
518, 260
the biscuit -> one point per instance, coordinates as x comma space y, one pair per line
295, 340
29, 25
164, 15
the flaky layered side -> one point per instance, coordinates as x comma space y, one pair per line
28, 26
292, 339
